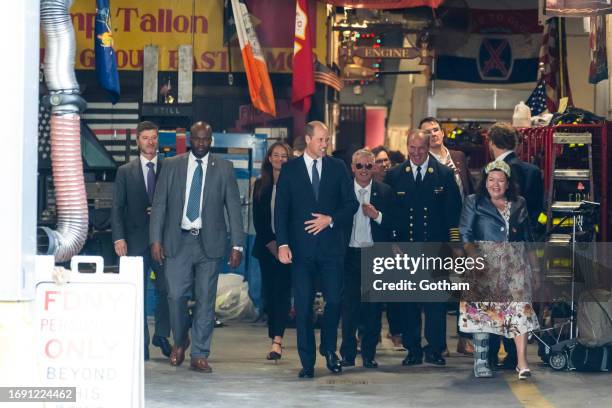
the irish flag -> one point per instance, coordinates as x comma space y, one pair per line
260, 87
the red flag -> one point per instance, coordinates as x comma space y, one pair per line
303, 76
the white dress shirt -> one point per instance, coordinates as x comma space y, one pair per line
145, 170
197, 223
361, 236
503, 155
423, 169
308, 160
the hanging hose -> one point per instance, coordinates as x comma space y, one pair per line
66, 103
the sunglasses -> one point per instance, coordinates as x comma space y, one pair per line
360, 166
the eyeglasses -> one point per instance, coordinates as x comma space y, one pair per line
360, 166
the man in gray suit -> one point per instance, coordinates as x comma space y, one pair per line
187, 235
132, 197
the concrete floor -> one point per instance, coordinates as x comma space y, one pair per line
243, 378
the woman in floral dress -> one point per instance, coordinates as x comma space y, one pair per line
494, 224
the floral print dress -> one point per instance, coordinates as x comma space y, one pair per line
507, 278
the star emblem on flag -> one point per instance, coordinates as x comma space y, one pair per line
537, 99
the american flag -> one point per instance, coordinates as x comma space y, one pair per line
326, 76
110, 124
537, 99
553, 57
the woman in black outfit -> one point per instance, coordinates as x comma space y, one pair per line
276, 277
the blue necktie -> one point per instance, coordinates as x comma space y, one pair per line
315, 180
151, 181
193, 203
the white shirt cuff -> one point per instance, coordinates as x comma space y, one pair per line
379, 218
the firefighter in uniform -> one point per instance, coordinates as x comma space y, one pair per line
427, 209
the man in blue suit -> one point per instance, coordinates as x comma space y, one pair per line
315, 203
132, 199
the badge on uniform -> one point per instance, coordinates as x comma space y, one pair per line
439, 190
430, 170
401, 193
408, 169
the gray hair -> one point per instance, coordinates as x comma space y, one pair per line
362, 152
418, 133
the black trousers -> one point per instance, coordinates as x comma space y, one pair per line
435, 327
329, 271
394, 317
356, 314
276, 293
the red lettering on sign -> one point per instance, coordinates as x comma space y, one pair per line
53, 348
148, 23
180, 24
87, 58
173, 59
127, 27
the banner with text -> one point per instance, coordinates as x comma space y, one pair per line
170, 23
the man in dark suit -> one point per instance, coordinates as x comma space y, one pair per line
457, 162
454, 159
188, 231
503, 139
315, 203
371, 223
132, 199
427, 209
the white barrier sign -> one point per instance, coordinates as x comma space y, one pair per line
90, 335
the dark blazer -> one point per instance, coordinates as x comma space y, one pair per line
295, 203
529, 180
430, 213
460, 161
221, 196
262, 219
382, 199
481, 221
129, 219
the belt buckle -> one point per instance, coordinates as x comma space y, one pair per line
194, 232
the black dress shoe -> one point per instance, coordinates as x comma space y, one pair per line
435, 359
306, 373
333, 362
347, 362
412, 359
369, 363
163, 344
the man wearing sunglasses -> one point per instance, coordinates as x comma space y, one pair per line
369, 225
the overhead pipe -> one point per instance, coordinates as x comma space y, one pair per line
66, 104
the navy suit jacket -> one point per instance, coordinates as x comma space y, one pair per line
529, 179
295, 203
